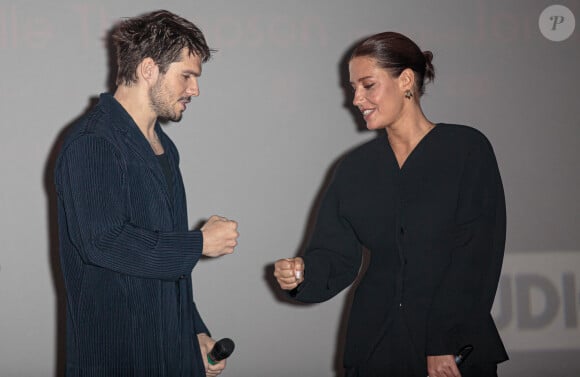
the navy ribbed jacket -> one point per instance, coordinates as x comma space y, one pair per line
126, 252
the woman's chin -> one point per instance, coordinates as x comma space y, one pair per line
374, 127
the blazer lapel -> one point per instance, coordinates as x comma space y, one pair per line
137, 142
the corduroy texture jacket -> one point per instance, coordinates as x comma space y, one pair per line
126, 252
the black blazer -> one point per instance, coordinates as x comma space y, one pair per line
435, 229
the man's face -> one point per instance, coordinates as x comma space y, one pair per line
173, 90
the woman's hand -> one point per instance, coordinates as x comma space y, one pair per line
289, 272
442, 366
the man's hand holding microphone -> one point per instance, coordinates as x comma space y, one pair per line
220, 237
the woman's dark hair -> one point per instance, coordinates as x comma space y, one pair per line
159, 35
395, 53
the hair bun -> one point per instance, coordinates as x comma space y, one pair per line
429, 69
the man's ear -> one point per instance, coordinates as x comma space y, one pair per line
148, 70
407, 80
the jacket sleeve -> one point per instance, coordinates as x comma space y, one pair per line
466, 293
91, 185
333, 257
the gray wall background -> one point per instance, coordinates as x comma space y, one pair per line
259, 143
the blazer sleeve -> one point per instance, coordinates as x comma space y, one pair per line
91, 185
466, 293
333, 257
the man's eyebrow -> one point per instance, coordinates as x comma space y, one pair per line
191, 72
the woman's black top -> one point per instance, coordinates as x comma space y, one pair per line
435, 228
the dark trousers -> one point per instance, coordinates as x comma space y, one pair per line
473, 371
486, 371
479, 371
396, 356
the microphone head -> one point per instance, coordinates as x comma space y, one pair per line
222, 349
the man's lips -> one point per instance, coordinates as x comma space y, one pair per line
184, 102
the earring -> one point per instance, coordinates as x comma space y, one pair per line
408, 94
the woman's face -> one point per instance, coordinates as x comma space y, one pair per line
377, 94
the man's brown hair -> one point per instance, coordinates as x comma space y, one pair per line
159, 35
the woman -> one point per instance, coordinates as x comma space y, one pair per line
427, 201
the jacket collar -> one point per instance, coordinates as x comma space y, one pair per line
132, 136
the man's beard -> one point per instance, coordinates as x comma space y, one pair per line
158, 96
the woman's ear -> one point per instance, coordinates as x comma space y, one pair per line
407, 80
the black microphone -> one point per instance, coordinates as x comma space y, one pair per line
222, 349
463, 353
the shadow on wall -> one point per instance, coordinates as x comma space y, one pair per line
344, 83
53, 250
58, 283
280, 295
52, 213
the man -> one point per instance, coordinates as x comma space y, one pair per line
126, 251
